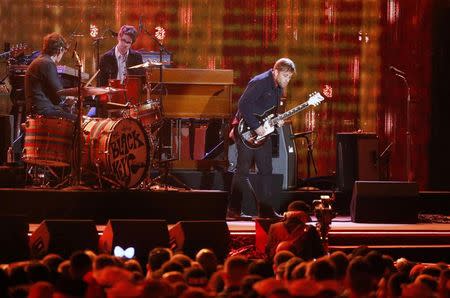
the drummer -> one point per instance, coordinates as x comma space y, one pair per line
42, 82
114, 63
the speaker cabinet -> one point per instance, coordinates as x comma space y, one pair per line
14, 232
357, 159
142, 235
63, 237
385, 202
191, 236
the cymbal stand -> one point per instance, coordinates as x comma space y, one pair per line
163, 165
75, 174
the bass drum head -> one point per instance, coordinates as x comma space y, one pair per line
118, 148
128, 150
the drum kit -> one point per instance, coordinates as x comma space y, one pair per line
114, 152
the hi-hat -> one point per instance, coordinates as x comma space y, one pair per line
89, 91
146, 65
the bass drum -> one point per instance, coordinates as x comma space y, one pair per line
119, 148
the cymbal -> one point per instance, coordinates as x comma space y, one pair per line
146, 65
89, 91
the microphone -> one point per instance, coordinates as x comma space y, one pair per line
113, 33
141, 25
396, 70
74, 49
301, 134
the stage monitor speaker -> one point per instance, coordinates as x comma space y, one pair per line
14, 232
141, 235
385, 202
191, 236
357, 159
6, 135
63, 237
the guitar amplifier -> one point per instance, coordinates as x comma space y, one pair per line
284, 156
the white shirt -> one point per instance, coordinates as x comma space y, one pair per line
121, 65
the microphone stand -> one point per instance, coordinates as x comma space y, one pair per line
78, 136
164, 165
97, 43
409, 174
310, 158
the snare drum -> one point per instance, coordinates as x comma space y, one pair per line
134, 86
118, 147
48, 141
148, 114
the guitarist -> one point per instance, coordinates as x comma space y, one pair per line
262, 93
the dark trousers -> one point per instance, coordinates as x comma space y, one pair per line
241, 183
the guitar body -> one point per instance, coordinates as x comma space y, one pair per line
268, 120
249, 137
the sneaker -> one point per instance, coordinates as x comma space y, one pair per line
231, 215
271, 215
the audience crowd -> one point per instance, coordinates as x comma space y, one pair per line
295, 266
363, 273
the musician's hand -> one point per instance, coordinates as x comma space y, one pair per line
280, 123
260, 131
69, 100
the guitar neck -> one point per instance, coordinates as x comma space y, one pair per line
289, 113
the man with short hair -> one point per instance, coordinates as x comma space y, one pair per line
156, 258
294, 234
42, 82
114, 64
262, 94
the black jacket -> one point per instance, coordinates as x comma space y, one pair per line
108, 66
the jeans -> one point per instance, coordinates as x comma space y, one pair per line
241, 185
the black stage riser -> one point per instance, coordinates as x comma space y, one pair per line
100, 206
415, 254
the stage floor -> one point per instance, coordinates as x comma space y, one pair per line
430, 240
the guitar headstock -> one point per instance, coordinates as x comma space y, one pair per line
315, 99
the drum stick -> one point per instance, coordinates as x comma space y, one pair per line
92, 78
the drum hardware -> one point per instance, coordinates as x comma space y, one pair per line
163, 179
44, 176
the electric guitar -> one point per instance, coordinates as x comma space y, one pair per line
268, 120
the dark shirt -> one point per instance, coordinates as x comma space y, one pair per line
261, 95
304, 239
108, 66
41, 84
